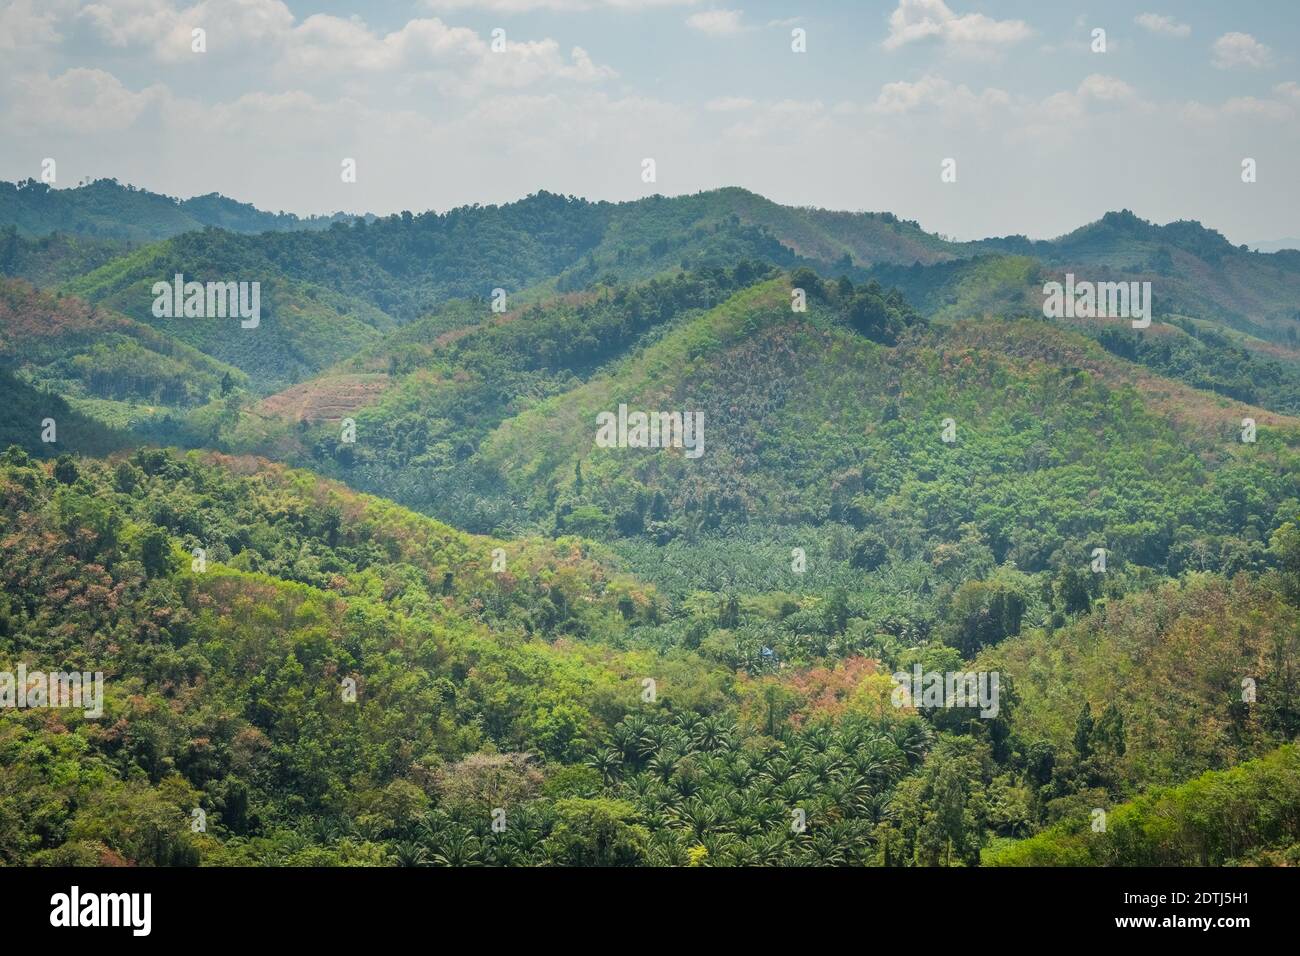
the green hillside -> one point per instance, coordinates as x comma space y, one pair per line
302, 328
87, 353
426, 396
27, 409
809, 420
107, 209
229, 676
405, 572
1241, 816
1193, 270
1208, 352
54, 259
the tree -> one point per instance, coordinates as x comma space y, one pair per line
127, 477
869, 551
1074, 592
1083, 728
810, 282
597, 832
483, 781
1286, 546
983, 613
869, 315
155, 552
1109, 733
65, 470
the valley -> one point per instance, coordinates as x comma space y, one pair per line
620, 576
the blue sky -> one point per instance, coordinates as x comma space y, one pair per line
1046, 132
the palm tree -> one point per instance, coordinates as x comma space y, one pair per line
685, 782
877, 808
819, 739
657, 819
767, 849
739, 773
795, 790
665, 850
796, 751
698, 815
825, 850
779, 770
880, 760
627, 737
913, 738
719, 845
460, 848
822, 767
745, 825
742, 852
643, 788
652, 740
687, 720
711, 733
608, 762
662, 765
410, 853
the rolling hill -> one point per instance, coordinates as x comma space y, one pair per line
107, 209
302, 328
89, 353
407, 264
408, 574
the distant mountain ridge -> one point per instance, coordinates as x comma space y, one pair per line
336, 284
1275, 245
107, 209
406, 264
904, 466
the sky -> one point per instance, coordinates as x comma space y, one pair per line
1046, 132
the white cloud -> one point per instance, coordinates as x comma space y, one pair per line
81, 100
1104, 88
280, 117
917, 20
1290, 90
938, 93
716, 22
455, 59
324, 44
422, 51
1282, 108
230, 24
782, 121
1071, 105
960, 104
1159, 23
1254, 106
1241, 49
22, 26
728, 104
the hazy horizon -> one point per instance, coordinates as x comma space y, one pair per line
1282, 242
1047, 131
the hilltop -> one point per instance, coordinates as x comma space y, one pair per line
107, 209
393, 580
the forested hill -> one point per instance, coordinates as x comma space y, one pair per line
107, 209
333, 680
640, 654
1193, 270
408, 264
